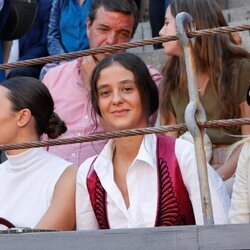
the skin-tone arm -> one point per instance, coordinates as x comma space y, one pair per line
237, 38
228, 168
171, 121
245, 113
61, 213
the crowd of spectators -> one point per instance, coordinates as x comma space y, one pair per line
104, 184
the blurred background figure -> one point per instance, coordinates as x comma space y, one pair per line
138, 3
34, 43
4, 46
157, 10
67, 28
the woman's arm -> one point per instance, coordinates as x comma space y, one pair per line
245, 113
61, 213
240, 209
229, 167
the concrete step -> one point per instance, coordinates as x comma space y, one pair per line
237, 14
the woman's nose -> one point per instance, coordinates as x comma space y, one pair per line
117, 98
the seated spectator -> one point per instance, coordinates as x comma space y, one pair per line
67, 29
109, 22
33, 181
129, 174
223, 76
34, 43
240, 202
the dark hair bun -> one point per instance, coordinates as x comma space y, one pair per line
55, 127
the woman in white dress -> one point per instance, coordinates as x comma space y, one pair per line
37, 189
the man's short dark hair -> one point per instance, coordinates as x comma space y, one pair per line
127, 7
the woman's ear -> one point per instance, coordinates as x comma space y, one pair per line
24, 117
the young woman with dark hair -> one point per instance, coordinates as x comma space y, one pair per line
144, 180
223, 74
33, 182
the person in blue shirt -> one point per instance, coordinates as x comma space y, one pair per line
67, 29
67, 26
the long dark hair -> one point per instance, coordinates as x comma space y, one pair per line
30, 93
146, 86
218, 55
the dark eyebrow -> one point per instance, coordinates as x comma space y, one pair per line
126, 81
102, 86
103, 26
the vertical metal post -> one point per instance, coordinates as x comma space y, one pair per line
195, 113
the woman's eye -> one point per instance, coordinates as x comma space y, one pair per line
127, 89
104, 93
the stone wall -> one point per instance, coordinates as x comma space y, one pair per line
238, 3
237, 14
144, 11
225, 4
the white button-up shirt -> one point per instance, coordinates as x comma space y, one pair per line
142, 187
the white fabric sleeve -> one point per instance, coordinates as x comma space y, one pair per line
239, 210
185, 154
85, 217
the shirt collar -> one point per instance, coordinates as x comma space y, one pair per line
104, 162
146, 153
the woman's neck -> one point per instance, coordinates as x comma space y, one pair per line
202, 81
127, 148
24, 136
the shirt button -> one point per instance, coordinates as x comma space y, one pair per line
78, 134
86, 117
